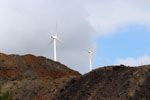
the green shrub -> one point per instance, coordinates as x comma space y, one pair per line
70, 71
4, 96
3, 60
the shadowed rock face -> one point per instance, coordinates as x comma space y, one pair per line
110, 83
33, 78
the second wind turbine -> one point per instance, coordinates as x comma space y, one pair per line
90, 59
54, 39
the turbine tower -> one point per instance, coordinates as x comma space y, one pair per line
90, 59
54, 39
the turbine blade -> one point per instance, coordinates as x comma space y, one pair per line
56, 29
93, 50
85, 50
59, 40
92, 56
50, 42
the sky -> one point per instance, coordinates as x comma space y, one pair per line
117, 31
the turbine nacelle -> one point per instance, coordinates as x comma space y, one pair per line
54, 37
89, 51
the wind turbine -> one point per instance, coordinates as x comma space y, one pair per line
54, 39
90, 59
90, 52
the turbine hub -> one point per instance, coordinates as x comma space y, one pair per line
54, 37
89, 51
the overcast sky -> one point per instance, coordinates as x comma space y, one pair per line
26, 26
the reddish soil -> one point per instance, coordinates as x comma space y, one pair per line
33, 78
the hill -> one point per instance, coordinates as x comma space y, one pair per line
110, 83
33, 78
30, 77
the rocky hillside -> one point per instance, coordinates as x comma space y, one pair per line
33, 78
37, 78
109, 83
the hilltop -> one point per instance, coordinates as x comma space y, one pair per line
110, 83
29, 77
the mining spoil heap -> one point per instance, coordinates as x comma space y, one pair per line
30, 77
109, 83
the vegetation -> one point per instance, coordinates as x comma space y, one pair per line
3, 60
5, 95
70, 71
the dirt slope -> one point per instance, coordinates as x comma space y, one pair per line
110, 83
33, 78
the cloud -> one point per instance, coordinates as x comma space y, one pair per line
27, 25
107, 16
143, 60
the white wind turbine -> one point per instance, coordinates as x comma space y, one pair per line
90, 59
54, 39
90, 52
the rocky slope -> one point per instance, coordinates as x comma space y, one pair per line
33, 78
37, 78
109, 83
